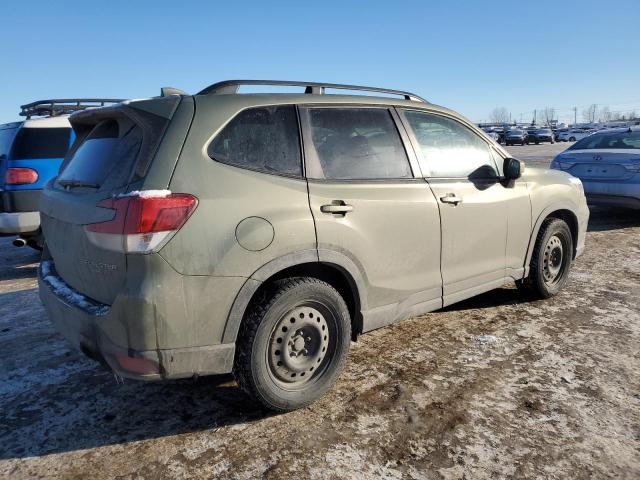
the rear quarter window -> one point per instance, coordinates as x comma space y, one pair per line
265, 139
37, 143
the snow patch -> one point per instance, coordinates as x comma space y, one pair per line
146, 194
70, 296
485, 340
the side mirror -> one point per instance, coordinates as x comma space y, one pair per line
512, 168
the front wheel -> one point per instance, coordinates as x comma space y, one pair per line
293, 343
572, 139
551, 260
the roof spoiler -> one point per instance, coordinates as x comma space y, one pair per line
313, 88
61, 106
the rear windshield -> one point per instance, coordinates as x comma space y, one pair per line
34, 143
622, 140
108, 152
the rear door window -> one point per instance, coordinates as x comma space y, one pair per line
450, 149
354, 144
265, 139
36, 143
108, 152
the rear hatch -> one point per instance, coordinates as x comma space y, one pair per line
113, 153
601, 165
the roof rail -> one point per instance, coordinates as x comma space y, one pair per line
61, 106
232, 86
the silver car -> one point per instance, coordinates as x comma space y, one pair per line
608, 163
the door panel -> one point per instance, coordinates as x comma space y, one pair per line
475, 205
368, 205
474, 234
392, 233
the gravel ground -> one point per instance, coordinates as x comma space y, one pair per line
494, 387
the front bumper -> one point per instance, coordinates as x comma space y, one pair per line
101, 333
19, 222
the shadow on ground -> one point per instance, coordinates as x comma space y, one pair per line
89, 408
605, 218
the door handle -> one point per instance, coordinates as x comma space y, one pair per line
337, 207
451, 198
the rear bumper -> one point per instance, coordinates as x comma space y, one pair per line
98, 331
617, 194
19, 222
20, 200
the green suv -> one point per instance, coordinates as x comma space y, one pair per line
260, 233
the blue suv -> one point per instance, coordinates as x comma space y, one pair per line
31, 153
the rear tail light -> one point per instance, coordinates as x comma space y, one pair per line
20, 176
141, 224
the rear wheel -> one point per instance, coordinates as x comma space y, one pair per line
293, 343
572, 139
551, 260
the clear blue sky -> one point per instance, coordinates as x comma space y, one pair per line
471, 56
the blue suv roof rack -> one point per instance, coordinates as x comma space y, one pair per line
317, 88
61, 106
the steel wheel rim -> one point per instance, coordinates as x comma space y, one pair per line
553, 260
300, 345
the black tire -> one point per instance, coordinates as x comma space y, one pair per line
572, 139
273, 375
548, 273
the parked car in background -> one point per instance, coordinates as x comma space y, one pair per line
185, 236
557, 132
574, 134
541, 135
492, 135
31, 153
608, 163
519, 137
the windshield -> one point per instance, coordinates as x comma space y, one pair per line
544, 132
515, 132
621, 140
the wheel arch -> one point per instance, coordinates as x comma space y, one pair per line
562, 211
332, 267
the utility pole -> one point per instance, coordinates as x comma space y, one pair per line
575, 116
534, 116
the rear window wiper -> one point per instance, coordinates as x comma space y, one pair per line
77, 184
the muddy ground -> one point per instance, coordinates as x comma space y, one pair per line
495, 387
